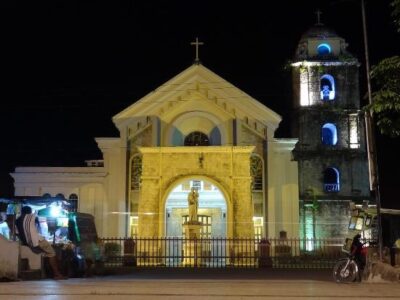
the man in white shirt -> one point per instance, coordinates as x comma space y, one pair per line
4, 229
28, 234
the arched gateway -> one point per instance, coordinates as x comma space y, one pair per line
212, 207
165, 178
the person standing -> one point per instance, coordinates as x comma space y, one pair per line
358, 253
28, 235
4, 229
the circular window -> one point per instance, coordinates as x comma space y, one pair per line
197, 138
324, 49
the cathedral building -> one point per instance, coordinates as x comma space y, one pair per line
199, 131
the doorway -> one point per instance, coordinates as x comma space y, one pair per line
212, 211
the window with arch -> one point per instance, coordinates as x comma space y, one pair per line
61, 196
327, 87
197, 138
329, 134
324, 49
73, 202
46, 195
136, 172
331, 180
256, 169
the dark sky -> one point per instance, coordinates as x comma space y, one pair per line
70, 67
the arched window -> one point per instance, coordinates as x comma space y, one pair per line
327, 87
256, 169
46, 195
136, 172
331, 180
73, 202
197, 138
324, 49
61, 196
329, 134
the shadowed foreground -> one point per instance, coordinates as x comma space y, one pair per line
201, 284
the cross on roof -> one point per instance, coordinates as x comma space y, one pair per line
197, 44
318, 13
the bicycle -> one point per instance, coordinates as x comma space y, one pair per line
346, 269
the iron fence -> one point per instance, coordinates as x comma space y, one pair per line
221, 252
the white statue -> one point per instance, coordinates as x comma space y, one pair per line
193, 202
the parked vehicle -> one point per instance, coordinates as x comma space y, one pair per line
365, 222
346, 269
72, 234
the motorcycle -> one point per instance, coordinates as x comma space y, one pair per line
346, 269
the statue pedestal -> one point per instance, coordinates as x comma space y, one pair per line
192, 245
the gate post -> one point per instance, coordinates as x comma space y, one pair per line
264, 258
129, 252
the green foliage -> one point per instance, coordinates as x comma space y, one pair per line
396, 13
386, 79
287, 66
346, 57
386, 99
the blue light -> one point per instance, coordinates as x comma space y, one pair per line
331, 180
329, 134
55, 211
327, 87
324, 49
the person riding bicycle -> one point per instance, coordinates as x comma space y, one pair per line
356, 250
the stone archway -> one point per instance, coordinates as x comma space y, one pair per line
226, 167
212, 212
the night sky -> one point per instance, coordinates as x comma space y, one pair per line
70, 67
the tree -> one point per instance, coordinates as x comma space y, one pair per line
396, 13
386, 78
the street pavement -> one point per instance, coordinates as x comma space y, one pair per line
194, 284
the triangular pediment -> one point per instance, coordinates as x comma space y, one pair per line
198, 87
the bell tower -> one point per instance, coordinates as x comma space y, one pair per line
331, 149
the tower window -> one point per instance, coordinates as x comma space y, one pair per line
329, 134
324, 49
354, 134
197, 138
327, 87
331, 180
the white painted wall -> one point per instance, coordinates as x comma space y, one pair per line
283, 193
9, 252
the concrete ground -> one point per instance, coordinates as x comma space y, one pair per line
191, 284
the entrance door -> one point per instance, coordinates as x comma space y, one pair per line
212, 209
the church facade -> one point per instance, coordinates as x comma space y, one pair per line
196, 130
199, 131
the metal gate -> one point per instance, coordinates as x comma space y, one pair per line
220, 252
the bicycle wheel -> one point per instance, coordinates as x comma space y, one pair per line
344, 274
